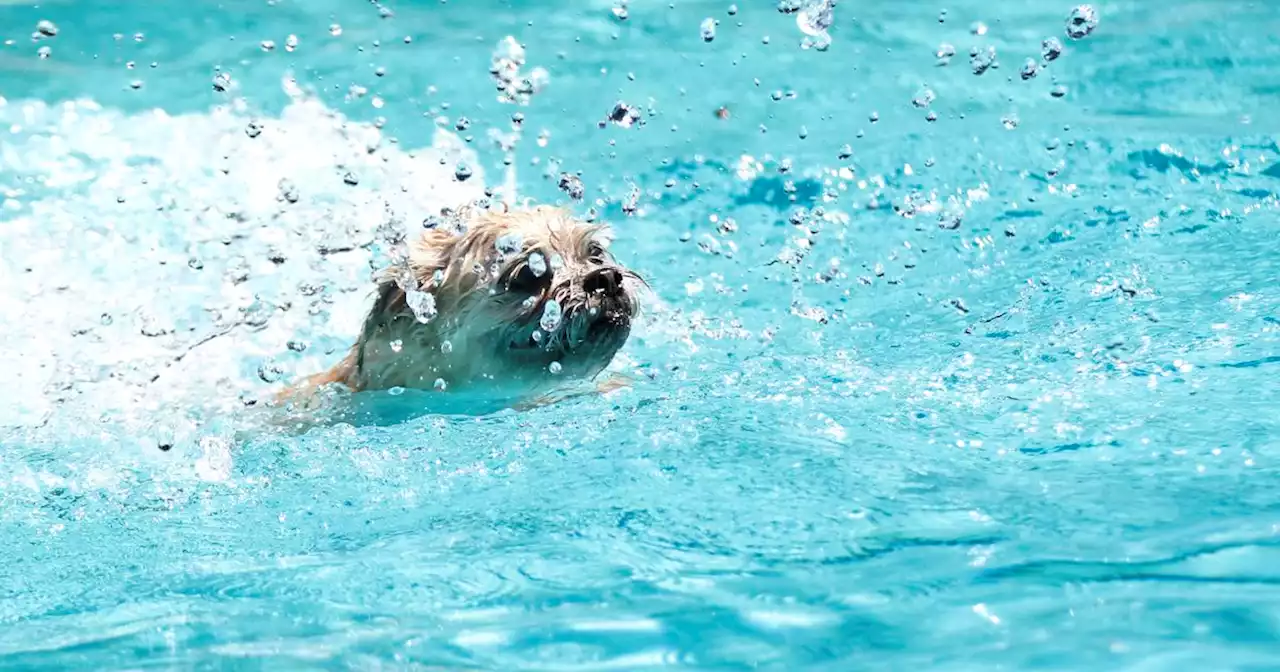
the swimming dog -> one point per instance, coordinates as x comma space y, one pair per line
511, 304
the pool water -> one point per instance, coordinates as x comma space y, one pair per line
941, 369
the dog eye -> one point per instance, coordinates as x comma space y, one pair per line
525, 282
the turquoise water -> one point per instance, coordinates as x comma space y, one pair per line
997, 390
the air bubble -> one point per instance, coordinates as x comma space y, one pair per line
397, 345
555, 368
845, 152
446, 347
462, 172
221, 82
1010, 121
47, 28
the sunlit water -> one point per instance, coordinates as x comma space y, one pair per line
995, 389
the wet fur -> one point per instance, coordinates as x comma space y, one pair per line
480, 315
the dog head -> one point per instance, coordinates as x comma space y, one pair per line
524, 295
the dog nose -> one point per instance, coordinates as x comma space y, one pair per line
607, 280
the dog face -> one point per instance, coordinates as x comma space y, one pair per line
525, 297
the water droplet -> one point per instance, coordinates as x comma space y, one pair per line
351, 179
47, 28
924, 98
291, 43
258, 313
1082, 21
462, 172
270, 371
253, 130
554, 368
631, 204
268, 45
44, 52
944, 53
708, 29
551, 316
152, 327
1058, 91
815, 17
624, 115
509, 244
1029, 69
423, 305
733, 10
572, 186
845, 152
1051, 49
981, 60
288, 191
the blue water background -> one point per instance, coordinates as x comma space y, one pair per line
1046, 438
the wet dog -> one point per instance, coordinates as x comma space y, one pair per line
505, 304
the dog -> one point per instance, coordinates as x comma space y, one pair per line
506, 304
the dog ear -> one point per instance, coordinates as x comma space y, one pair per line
428, 253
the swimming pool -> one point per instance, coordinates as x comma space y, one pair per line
993, 389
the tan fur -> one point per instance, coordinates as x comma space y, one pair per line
488, 304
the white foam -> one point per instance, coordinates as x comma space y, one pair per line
103, 211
